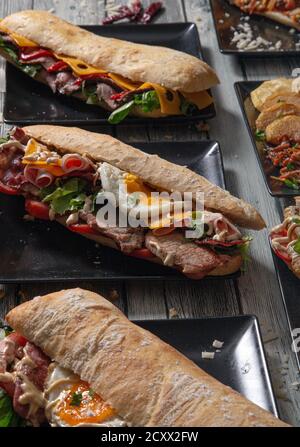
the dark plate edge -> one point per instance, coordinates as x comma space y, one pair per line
280, 282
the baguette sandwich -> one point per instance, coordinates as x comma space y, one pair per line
122, 77
285, 238
75, 360
63, 173
286, 12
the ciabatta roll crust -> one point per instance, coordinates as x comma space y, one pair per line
141, 63
147, 381
151, 168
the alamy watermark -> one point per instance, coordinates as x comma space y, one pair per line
153, 210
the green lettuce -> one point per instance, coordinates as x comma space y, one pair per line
8, 418
30, 69
67, 196
296, 247
147, 102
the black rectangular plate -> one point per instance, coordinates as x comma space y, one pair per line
243, 90
266, 28
290, 291
29, 102
41, 251
242, 351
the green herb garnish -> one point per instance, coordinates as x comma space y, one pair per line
260, 135
291, 183
147, 102
91, 393
290, 166
296, 246
76, 399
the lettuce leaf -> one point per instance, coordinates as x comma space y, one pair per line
8, 418
147, 102
30, 69
67, 196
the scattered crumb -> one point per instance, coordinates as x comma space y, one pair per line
173, 313
218, 344
246, 368
28, 218
113, 295
208, 355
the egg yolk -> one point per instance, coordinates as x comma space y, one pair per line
82, 406
135, 184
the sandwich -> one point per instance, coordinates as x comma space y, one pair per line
285, 238
278, 128
73, 359
286, 12
74, 177
122, 77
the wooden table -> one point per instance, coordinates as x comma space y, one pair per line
257, 292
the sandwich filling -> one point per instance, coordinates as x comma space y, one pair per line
73, 77
260, 6
278, 130
41, 392
285, 238
73, 190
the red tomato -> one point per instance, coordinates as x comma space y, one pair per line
8, 190
284, 257
82, 229
17, 338
142, 253
37, 209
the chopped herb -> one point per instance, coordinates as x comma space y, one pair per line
76, 399
290, 166
293, 184
260, 135
91, 393
4, 140
147, 101
297, 246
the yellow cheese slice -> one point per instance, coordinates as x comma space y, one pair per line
124, 82
54, 168
79, 67
200, 99
169, 99
19, 40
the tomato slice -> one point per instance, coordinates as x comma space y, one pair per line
17, 338
37, 209
284, 257
82, 229
142, 253
8, 190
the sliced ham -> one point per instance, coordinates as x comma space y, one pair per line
74, 162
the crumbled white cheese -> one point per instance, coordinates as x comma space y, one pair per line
244, 39
208, 355
218, 344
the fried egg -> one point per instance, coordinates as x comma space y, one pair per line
71, 402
